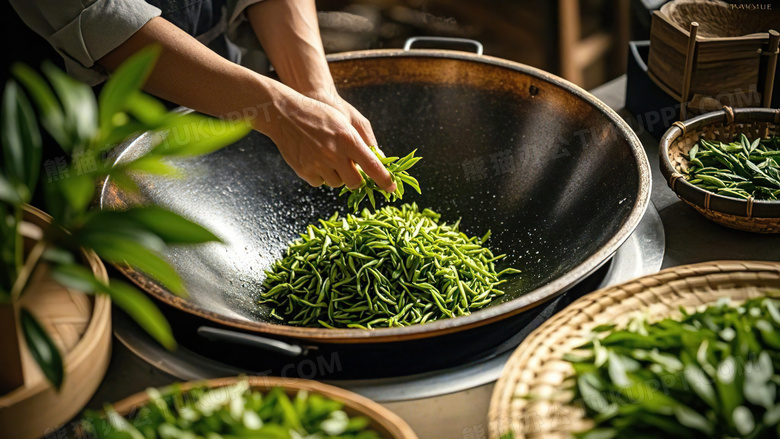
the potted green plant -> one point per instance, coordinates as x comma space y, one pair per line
40, 253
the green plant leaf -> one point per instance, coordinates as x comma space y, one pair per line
8, 193
76, 277
143, 311
192, 135
411, 181
124, 84
591, 394
121, 428
52, 116
692, 419
79, 104
617, 369
139, 307
123, 180
42, 348
78, 189
135, 248
148, 110
13, 146
120, 133
700, 383
170, 226
149, 165
744, 420
31, 136
56, 204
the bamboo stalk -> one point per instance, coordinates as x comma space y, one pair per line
689, 58
771, 67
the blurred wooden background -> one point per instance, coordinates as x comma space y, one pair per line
582, 40
585, 41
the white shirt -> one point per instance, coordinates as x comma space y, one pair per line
84, 31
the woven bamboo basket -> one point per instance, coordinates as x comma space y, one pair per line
80, 326
727, 56
537, 366
749, 215
385, 422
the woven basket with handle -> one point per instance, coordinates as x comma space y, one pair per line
537, 367
724, 125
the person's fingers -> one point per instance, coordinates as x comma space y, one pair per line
363, 127
302, 171
313, 179
331, 178
350, 175
368, 161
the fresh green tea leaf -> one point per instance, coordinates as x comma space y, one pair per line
390, 268
740, 169
710, 373
397, 169
743, 420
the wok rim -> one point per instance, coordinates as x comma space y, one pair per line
481, 317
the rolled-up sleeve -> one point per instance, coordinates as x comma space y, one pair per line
237, 9
84, 31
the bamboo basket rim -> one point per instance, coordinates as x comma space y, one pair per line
694, 284
101, 315
377, 414
687, 191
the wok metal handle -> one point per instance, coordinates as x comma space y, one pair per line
254, 341
447, 40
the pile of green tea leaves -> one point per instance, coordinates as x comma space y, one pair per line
741, 169
389, 268
232, 412
397, 167
712, 374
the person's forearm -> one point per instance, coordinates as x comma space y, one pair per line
314, 138
190, 74
290, 35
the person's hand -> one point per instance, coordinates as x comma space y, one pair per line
357, 120
329, 96
321, 144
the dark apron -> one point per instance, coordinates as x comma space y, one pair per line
197, 17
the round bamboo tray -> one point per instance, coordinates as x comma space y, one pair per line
385, 422
537, 366
749, 215
80, 325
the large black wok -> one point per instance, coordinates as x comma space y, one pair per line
556, 175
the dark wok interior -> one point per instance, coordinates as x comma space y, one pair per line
547, 171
